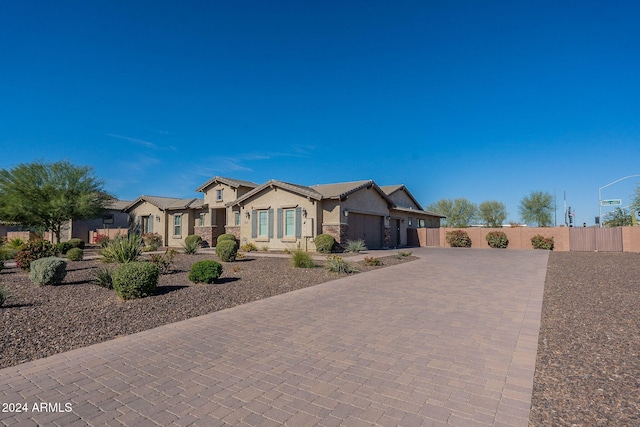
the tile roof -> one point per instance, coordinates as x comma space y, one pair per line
168, 203
294, 188
235, 183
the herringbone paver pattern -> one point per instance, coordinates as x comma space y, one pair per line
449, 339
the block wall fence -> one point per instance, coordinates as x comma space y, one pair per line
520, 237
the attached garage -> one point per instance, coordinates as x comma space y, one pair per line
369, 228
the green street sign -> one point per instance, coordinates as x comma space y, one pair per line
611, 202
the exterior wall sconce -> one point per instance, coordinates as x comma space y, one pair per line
247, 214
388, 217
304, 212
157, 218
346, 212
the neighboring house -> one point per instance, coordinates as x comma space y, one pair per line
217, 192
283, 215
113, 217
173, 219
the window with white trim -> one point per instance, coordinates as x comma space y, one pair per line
177, 225
219, 195
236, 216
263, 223
289, 223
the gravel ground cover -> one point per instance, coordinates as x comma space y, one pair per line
42, 321
588, 366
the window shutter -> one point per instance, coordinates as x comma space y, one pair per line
254, 224
298, 222
151, 223
138, 225
270, 219
279, 223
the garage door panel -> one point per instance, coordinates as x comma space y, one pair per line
368, 228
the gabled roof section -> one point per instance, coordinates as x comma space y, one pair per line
167, 203
294, 188
233, 183
390, 189
341, 190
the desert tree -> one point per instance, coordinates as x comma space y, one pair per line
459, 212
492, 213
47, 195
617, 218
537, 208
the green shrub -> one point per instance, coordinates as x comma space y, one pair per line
403, 254
264, 248
63, 247
325, 243
33, 250
541, 242
76, 243
249, 247
458, 239
103, 277
223, 237
207, 271
135, 280
372, 261
191, 244
164, 261
75, 254
337, 264
355, 246
301, 259
15, 243
7, 253
48, 271
123, 249
1, 264
227, 250
497, 239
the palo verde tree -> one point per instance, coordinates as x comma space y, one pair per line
492, 213
459, 212
537, 208
46, 195
617, 218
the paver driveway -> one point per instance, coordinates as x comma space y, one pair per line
449, 339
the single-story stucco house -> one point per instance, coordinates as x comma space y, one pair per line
282, 215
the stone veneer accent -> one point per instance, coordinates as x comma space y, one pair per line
387, 237
339, 232
233, 229
206, 233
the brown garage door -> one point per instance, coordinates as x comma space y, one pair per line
368, 228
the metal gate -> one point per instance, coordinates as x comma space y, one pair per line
595, 239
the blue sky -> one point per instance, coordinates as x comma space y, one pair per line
482, 100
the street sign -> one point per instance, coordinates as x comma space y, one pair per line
611, 202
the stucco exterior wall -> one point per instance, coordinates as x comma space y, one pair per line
274, 198
401, 198
146, 209
187, 227
367, 201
